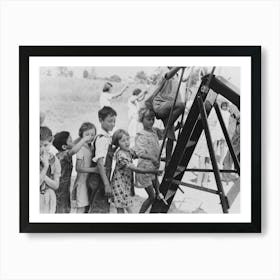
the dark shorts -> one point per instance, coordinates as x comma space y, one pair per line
98, 202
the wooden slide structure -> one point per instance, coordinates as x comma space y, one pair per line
196, 122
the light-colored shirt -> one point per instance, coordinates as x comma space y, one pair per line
105, 99
101, 145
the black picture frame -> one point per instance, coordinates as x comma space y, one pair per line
254, 52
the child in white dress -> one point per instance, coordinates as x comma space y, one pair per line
83, 163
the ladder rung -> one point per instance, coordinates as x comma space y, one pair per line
193, 186
181, 169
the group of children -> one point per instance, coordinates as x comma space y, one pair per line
96, 186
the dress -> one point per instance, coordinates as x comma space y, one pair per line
202, 148
133, 125
148, 142
47, 194
105, 99
122, 180
63, 192
80, 193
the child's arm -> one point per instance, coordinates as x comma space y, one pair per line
172, 72
78, 145
141, 96
45, 163
115, 95
54, 183
102, 172
43, 174
143, 170
144, 155
87, 169
81, 169
187, 74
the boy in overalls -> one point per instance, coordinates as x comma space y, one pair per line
99, 184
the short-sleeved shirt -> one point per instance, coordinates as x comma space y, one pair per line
105, 99
101, 145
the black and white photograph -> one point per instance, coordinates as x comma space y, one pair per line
132, 135
126, 123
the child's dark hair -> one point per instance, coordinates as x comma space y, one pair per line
105, 112
107, 87
224, 103
118, 134
45, 134
136, 91
86, 126
146, 110
60, 139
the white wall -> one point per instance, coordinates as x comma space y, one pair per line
139, 256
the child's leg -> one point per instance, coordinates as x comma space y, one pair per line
156, 185
120, 210
148, 202
169, 149
206, 174
222, 153
129, 209
201, 165
80, 210
178, 110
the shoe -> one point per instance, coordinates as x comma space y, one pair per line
161, 197
178, 126
190, 143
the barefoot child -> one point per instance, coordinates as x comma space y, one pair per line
83, 163
162, 100
49, 172
122, 179
147, 144
99, 184
66, 149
